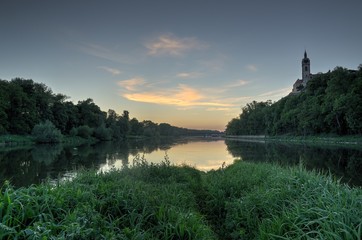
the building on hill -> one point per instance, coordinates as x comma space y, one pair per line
300, 84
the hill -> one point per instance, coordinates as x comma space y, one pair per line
330, 104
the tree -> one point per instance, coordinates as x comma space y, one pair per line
136, 128
150, 129
21, 113
112, 124
90, 114
123, 123
84, 131
46, 133
102, 133
4, 106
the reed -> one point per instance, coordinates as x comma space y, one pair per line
163, 201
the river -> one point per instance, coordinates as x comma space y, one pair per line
32, 165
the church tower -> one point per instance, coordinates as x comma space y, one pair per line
305, 69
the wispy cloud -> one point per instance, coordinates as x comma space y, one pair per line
181, 96
252, 67
276, 93
238, 83
99, 51
219, 109
132, 84
215, 64
188, 75
113, 71
170, 45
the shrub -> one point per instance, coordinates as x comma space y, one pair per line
73, 132
84, 131
46, 133
102, 133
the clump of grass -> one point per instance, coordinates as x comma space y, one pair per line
163, 201
121, 204
263, 201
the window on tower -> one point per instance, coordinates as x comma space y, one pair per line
305, 68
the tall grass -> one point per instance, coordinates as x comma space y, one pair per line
263, 201
148, 201
162, 201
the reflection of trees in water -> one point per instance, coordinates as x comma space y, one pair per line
19, 167
46, 153
25, 166
342, 162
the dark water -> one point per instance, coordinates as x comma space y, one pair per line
33, 165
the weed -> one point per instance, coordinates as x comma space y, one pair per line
163, 201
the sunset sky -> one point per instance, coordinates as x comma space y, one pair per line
189, 63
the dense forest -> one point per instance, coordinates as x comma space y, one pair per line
28, 107
331, 104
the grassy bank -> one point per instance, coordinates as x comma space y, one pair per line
321, 139
8, 140
161, 201
337, 140
16, 140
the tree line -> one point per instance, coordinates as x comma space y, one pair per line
331, 104
27, 107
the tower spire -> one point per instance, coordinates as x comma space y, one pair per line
305, 53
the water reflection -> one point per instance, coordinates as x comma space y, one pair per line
25, 166
342, 162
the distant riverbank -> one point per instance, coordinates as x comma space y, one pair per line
163, 201
337, 140
20, 140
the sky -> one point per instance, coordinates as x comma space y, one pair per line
189, 63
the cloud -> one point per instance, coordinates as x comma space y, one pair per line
113, 71
171, 45
252, 67
238, 83
276, 93
238, 100
182, 96
219, 109
132, 84
188, 75
103, 52
215, 64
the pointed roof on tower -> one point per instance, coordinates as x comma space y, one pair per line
305, 53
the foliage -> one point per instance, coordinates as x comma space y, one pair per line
84, 131
262, 201
25, 103
46, 133
145, 202
102, 133
330, 104
162, 201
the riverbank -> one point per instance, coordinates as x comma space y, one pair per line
28, 140
10, 140
161, 201
329, 140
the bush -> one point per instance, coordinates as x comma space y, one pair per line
73, 132
46, 133
102, 133
84, 131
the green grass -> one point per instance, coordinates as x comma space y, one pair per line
321, 139
11, 140
162, 201
16, 139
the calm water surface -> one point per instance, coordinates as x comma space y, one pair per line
33, 165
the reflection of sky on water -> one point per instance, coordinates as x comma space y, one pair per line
203, 155
41, 163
